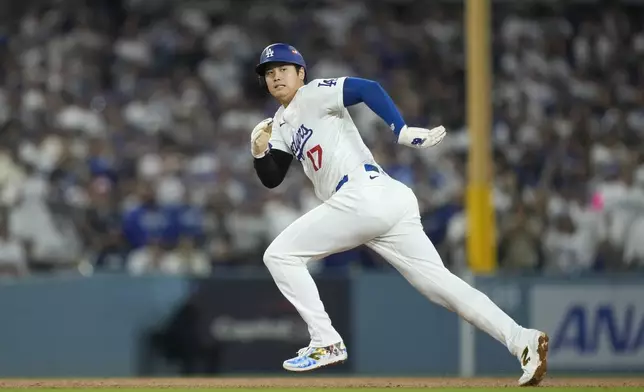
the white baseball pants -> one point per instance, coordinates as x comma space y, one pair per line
383, 214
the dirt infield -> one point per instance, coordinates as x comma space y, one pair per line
309, 382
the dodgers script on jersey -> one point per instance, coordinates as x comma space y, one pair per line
319, 131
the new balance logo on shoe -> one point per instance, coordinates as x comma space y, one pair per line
524, 357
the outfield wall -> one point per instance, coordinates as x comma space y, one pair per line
106, 325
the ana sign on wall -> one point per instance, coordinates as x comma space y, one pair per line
591, 327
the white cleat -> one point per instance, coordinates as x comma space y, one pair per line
533, 358
310, 358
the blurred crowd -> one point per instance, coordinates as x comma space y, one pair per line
124, 130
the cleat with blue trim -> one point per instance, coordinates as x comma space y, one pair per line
311, 358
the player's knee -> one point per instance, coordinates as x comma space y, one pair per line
268, 257
273, 256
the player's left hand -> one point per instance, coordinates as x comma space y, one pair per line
421, 137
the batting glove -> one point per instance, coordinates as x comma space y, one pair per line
421, 137
260, 136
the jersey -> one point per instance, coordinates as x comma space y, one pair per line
319, 132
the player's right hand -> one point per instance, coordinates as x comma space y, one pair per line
260, 136
421, 137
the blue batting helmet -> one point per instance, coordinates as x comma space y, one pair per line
279, 53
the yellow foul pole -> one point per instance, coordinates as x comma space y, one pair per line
481, 242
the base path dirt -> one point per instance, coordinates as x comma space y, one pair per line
310, 382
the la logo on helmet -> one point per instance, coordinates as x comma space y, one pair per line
269, 52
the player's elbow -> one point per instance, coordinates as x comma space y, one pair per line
269, 177
271, 170
369, 86
357, 90
372, 92
271, 182
376, 88
374, 84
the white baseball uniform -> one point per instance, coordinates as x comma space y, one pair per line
361, 205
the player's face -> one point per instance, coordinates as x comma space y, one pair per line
283, 81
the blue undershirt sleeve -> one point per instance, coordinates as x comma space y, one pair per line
357, 90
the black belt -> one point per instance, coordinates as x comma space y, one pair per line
367, 167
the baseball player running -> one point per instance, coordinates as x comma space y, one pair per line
361, 205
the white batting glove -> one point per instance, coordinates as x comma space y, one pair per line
421, 137
260, 136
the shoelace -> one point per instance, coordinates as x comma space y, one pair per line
301, 351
